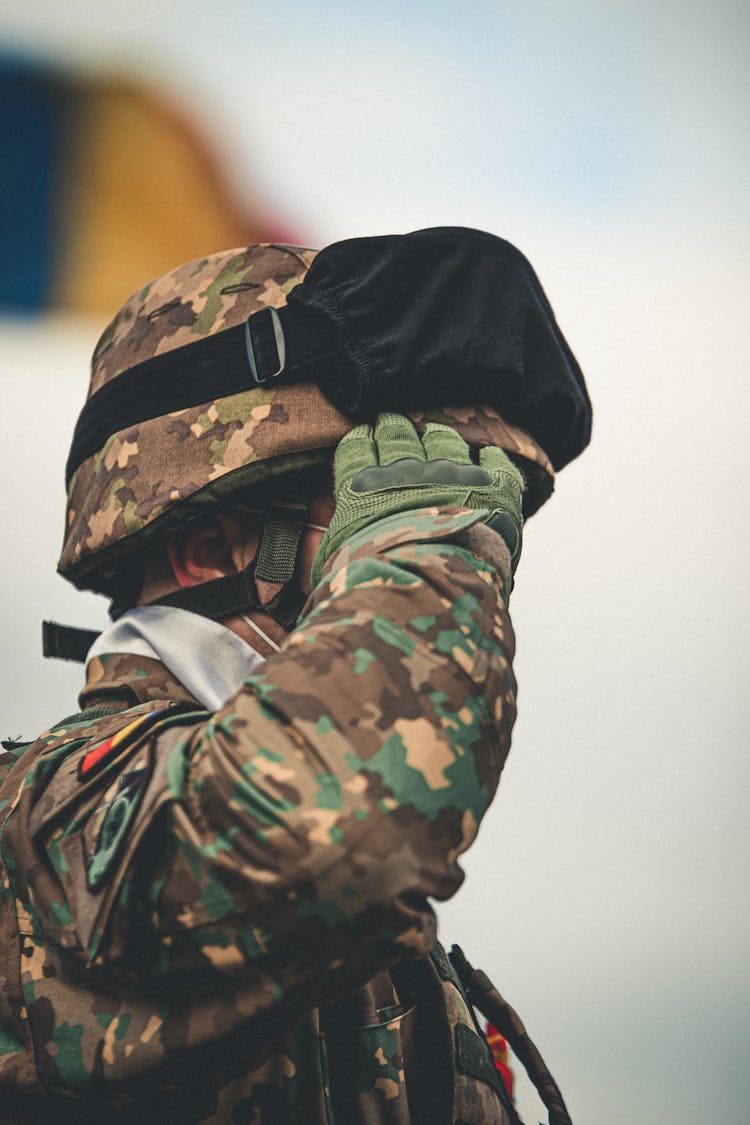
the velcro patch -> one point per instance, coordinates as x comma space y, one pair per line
100, 755
472, 1057
115, 818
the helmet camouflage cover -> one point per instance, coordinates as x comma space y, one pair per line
148, 478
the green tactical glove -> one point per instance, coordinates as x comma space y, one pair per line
380, 472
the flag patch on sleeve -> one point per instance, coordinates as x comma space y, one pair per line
105, 751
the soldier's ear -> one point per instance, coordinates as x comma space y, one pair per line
200, 553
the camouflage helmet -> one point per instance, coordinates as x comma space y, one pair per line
147, 478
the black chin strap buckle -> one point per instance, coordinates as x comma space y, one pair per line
258, 354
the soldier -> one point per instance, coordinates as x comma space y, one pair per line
216, 875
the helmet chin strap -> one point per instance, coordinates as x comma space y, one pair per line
275, 561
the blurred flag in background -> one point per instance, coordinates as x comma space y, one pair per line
104, 185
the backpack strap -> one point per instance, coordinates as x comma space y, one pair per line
471, 1056
483, 995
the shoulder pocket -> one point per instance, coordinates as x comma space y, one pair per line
93, 814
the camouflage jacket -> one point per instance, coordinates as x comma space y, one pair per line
224, 918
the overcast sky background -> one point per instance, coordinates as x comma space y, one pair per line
608, 892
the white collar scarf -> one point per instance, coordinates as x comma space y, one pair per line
207, 658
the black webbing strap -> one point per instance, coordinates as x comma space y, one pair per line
273, 345
484, 996
286, 606
236, 594
277, 555
218, 598
275, 561
472, 1053
66, 642
444, 965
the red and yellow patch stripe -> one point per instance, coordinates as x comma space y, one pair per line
95, 758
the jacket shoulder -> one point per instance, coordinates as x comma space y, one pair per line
74, 794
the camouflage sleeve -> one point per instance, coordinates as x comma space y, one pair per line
304, 826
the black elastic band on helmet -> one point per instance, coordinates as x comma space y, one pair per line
439, 317
272, 346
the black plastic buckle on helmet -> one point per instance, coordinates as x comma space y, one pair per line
278, 335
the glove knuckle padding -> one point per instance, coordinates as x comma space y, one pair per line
389, 469
409, 473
